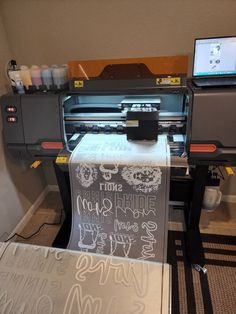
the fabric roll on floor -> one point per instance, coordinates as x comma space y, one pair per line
120, 194
45, 280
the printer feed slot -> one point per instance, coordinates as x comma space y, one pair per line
111, 114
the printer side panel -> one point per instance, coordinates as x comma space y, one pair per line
38, 129
41, 117
212, 125
12, 119
214, 117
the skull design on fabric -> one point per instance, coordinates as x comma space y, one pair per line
144, 179
108, 171
87, 174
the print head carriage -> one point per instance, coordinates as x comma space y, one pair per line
144, 179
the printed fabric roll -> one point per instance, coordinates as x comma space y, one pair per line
43, 280
120, 194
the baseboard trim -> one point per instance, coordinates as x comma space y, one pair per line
26, 218
229, 198
53, 188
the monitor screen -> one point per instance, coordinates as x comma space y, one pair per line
215, 56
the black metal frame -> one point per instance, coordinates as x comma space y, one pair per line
63, 180
193, 241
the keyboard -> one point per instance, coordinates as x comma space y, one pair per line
211, 82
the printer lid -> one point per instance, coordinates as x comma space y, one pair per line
128, 67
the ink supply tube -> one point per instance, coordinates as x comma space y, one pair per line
46, 74
54, 72
11, 69
18, 83
65, 73
25, 76
36, 75
11, 74
58, 74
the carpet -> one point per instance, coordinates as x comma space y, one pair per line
196, 293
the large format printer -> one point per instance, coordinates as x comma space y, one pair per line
199, 123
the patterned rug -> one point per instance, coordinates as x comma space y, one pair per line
196, 293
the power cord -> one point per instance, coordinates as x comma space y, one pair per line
222, 176
218, 174
39, 229
4, 235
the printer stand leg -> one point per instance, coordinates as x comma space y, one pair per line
62, 238
193, 241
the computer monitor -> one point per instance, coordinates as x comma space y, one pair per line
214, 57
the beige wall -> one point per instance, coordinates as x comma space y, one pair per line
19, 186
55, 31
229, 186
52, 31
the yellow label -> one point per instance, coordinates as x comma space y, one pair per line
163, 81
175, 81
168, 81
62, 159
35, 164
78, 84
229, 171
